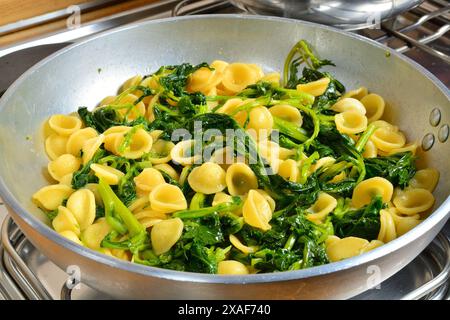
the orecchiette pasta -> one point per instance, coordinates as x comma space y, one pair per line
65, 221
237, 76
165, 234
77, 139
240, 246
82, 204
357, 93
182, 153
347, 104
287, 113
315, 88
365, 190
345, 248
93, 235
209, 178
64, 125
256, 211
388, 138
323, 206
90, 147
231, 267
240, 179
167, 198
51, 197
63, 165
413, 201
350, 122
55, 145
387, 229
110, 175
170, 171
374, 105
289, 170
425, 179
148, 179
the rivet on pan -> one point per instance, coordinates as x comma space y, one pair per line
443, 133
435, 117
427, 141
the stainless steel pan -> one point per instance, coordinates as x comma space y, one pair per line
345, 14
71, 78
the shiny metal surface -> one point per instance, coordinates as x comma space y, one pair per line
345, 14
70, 78
421, 279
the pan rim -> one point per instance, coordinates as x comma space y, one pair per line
437, 216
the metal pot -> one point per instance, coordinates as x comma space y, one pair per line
71, 78
345, 14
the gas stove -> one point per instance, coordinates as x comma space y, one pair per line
420, 33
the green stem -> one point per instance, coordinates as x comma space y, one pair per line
197, 201
203, 212
290, 242
290, 129
365, 137
130, 221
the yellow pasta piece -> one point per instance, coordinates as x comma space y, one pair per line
139, 204
224, 157
165, 234
365, 190
289, 170
51, 197
388, 138
67, 179
133, 81
82, 204
406, 224
370, 150
167, 198
237, 76
231, 267
240, 179
322, 162
93, 235
256, 211
350, 122
65, 221
55, 145
219, 65
209, 178
63, 165
141, 143
347, 104
357, 93
110, 175
64, 125
345, 248
273, 77
132, 112
160, 151
412, 201
167, 168
371, 245
77, 139
287, 113
315, 88
268, 198
241, 247
71, 236
387, 229
425, 179
90, 147
116, 129
148, 179
182, 153
374, 105
411, 147
260, 123
323, 206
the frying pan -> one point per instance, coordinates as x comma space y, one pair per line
82, 74
344, 14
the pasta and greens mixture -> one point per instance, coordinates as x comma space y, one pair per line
220, 168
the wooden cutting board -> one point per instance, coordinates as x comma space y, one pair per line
15, 10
